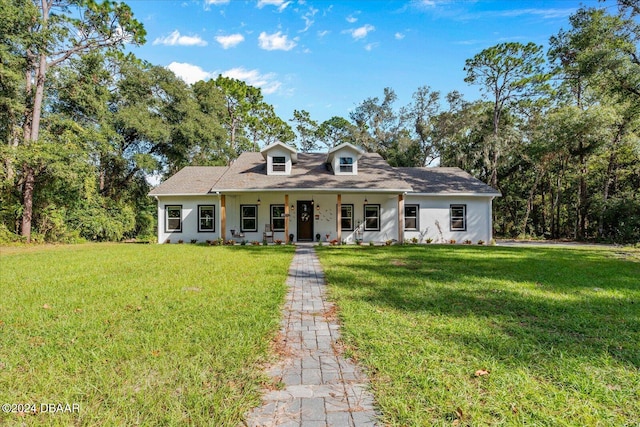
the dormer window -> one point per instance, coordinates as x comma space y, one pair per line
346, 164
280, 158
279, 164
344, 159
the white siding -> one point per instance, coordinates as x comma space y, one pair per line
278, 152
189, 218
435, 211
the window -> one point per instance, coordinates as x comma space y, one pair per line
277, 217
346, 164
173, 219
206, 218
458, 217
278, 164
372, 217
248, 218
347, 217
411, 217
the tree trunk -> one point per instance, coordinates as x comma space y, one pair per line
523, 227
27, 208
32, 131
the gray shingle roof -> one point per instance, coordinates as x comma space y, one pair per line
190, 180
444, 181
248, 172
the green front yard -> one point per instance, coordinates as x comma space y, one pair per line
137, 334
450, 335
459, 335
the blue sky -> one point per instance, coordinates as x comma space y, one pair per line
327, 57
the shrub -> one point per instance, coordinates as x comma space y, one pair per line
481, 242
429, 240
452, 241
194, 241
468, 242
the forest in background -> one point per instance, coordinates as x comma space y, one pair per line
85, 124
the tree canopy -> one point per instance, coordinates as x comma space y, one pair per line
86, 127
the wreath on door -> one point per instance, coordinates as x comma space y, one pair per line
304, 216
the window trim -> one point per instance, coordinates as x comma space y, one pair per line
272, 217
167, 208
242, 218
281, 166
452, 217
347, 165
417, 217
213, 219
377, 207
343, 216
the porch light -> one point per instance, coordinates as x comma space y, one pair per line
293, 207
365, 200
259, 201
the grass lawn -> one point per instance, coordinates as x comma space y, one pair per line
137, 334
461, 335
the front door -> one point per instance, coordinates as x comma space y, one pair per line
305, 221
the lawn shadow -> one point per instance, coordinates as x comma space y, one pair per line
576, 302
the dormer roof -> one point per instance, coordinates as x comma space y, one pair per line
278, 144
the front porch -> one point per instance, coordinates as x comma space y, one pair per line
312, 217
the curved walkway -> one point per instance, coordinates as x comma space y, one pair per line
318, 386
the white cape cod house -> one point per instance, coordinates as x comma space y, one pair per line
345, 195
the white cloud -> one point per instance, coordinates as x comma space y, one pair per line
280, 4
175, 39
216, 2
399, 36
369, 47
323, 33
351, 19
308, 19
266, 82
361, 32
188, 72
275, 41
232, 40
544, 13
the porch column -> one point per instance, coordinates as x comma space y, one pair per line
223, 217
401, 218
286, 218
339, 216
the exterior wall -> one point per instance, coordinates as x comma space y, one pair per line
189, 218
325, 216
435, 211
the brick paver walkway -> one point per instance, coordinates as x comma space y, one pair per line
319, 386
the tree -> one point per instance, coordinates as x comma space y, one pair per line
423, 110
63, 30
507, 73
335, 131
307, 130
